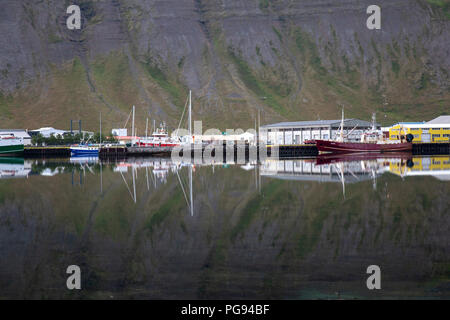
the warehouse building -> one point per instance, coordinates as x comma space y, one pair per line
287, 133
436, 130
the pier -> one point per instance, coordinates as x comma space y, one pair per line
47, 151
284, 151
422, 148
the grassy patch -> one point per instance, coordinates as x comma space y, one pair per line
163, 81
278, 33
444, 5
395, 67
263, 4
5, 101
255, 85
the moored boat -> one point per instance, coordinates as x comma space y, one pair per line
371, 141
160, 138
84, 151
10, 145
345, 147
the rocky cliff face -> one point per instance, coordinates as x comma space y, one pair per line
290, 59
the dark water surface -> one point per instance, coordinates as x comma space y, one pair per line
286, 229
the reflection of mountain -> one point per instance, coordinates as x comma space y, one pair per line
292, 239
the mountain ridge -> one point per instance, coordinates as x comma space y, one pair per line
292, 60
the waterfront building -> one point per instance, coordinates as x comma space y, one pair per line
436, 130
297, 132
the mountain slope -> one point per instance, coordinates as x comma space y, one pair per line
291, 59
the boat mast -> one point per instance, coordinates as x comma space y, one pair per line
146, 129
190, 188
132, 129
374, 119
342, 126
190, 116
100, 128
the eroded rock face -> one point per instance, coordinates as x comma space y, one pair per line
254, 49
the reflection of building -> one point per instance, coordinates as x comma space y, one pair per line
299, 131
436, 130
436, 166
14, 168
309, 170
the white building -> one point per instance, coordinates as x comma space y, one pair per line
121, 132
19, 133
286, 133
47, 132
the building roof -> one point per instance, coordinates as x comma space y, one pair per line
440, 120
321, 123
17, 132
49, 129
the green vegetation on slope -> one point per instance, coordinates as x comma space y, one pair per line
444, 5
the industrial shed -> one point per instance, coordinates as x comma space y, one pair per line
286, 133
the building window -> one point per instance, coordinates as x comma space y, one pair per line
435, 136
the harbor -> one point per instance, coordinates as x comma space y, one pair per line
284, 151
284, 140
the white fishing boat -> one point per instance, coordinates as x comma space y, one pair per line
10, 145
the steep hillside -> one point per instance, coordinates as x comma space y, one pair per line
291, 59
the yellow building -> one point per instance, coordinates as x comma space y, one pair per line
436, 130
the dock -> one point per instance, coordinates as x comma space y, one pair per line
422, 148
284, 151
46, 151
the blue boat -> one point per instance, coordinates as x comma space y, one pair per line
84, 151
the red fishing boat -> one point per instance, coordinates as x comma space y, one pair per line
371, 141
347, 147
160, 138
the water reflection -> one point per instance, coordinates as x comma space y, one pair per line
334, 168
153, 228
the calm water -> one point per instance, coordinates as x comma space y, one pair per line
289, 229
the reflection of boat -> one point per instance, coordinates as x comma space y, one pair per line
13, 168
84, 151
348, 157
10, 145
371, 141
83, 160
347, 147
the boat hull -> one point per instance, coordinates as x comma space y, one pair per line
84, 151
350, 147
10, 150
